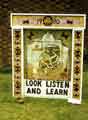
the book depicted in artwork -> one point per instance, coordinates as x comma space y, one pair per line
47, 54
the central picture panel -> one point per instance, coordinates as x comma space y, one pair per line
47, 54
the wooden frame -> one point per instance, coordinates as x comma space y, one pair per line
73, 22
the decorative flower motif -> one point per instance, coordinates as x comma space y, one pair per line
78, 34
17, 34
77, 53
17, 68
17, 84
17, 51
76, 69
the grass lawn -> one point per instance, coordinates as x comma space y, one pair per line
40, 109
